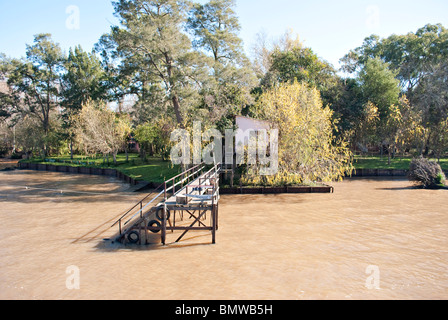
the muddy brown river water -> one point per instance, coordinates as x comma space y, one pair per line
371, 239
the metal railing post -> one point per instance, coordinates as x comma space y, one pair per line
141, 209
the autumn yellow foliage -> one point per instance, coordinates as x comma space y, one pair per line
308, 149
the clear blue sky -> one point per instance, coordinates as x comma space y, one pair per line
330, 28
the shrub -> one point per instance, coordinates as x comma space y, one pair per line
440, 179
425, 172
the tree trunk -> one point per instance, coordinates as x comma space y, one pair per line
71, 149
176, 106
426, 152
388, 156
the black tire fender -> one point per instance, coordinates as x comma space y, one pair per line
133, 237
159, 213
154, 224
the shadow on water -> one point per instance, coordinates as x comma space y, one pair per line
415, 187
107, 246
101, 237
400, 188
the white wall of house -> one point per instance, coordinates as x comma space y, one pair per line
246, 125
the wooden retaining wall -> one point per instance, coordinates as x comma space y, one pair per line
78, 170
379, 173
277, 190
382, 173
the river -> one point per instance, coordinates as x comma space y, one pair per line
371, 239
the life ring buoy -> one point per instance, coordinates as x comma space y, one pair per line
154, 224
134, 237
159, 213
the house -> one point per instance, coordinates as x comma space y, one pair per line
246, 126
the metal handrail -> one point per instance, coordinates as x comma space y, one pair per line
183, 173
142, 209
200, 166
140, 202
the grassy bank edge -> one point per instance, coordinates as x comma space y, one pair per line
154, 170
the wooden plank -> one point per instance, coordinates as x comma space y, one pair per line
189, 228
189, 208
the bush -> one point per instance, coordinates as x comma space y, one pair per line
440, 179
425, 172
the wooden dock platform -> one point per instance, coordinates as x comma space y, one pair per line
181, 206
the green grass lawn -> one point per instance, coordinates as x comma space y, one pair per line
153, 170
375, 162
157, 171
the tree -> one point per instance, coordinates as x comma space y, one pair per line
308, 150
439, 139
215, 26
35, 82
83, 81
29, 135
153, 138
394, 117
6, 99
116, 80
400, 125
409, 55
152, 41
418, 60
297, 62
100, 130
365, 131
378, 85
263, 48
431, 97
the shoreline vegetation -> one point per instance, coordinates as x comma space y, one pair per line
155, 170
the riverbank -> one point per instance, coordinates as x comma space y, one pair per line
153, 171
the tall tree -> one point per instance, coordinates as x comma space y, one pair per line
380, 91
296, 62
378, 85
35, 83
83, 80
411, 55
151, 38
215, 26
